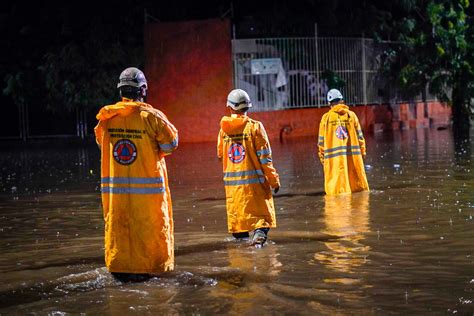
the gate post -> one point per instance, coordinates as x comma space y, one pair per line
317, 63
364, 72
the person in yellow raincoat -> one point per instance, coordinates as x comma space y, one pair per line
341, 148
249, 175
134, 138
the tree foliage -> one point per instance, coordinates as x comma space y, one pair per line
70, 58
333, 80
433, 47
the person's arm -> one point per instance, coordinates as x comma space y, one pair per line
322, 132
264, 154
360, 137
219, 145
99, 133
166, 134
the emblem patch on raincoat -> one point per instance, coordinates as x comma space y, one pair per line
341, 132
125, 152
236, 153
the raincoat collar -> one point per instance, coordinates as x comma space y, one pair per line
122, 108
340, 109
234, 122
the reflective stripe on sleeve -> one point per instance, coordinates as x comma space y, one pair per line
321, 141
265, 160
169, 147
264, 152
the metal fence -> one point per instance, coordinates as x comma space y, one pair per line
282, 73
33, 122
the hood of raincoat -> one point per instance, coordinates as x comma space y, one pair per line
340, 109
234, 123
123, 108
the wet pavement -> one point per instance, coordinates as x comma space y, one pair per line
406, 247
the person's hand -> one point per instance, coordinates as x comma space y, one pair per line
276, 189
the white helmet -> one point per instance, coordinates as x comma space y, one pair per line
334, 94
238, 99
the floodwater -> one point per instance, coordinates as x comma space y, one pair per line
407, 247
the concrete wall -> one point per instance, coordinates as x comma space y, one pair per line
373, 118
421, 115
189, 69
305, 122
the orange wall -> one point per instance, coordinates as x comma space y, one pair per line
189, 69
296, 122
305, 121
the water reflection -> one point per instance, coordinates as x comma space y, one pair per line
404, 249
250, 270
262, 262
346, 216
49, 168
462, 151
160, 295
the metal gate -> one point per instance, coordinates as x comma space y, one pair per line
284, 73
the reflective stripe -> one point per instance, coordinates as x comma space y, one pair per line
131, 180
234, 174
321, 137
264, 152
329, 150
265, 160
320, 144
122, 190
169, 147
343, 153
244, 181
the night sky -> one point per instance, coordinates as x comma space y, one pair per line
252, 18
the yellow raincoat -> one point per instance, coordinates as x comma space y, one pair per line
249, 174
341, 150
134, 138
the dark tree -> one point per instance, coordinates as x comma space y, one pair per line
70, 57
434, 47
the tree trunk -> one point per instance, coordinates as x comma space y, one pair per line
461, 115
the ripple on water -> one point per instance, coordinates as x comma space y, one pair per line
101, 278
